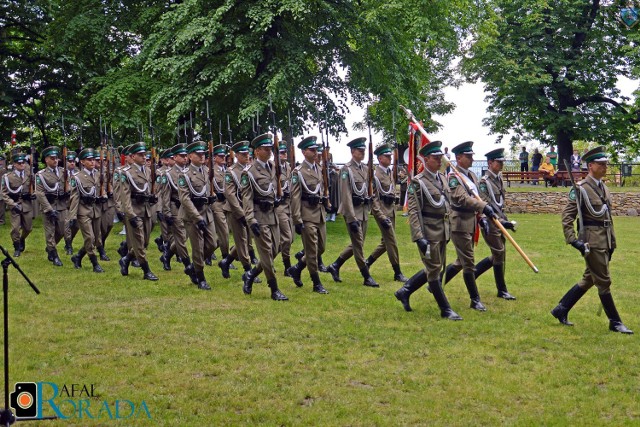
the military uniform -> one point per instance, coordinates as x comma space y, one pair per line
107, 211
308, 215
85, 209
18, 198
259, 193
429, 210
384, 209
465, 207
53, 201
596, 241
283, 211
195, 193
165, 237
217, 207
3, 206
170, 196
492, 191
354, 207
137, 200
70, 230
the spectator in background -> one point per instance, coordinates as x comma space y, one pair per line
524, 161
576, 160
536, 159
550, 176
553, 157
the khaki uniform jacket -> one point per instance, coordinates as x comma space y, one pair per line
117, 188
194, 190
133, 181
353, 175
308, 184
593, 211
84, 189
429, 207
50, 190
13, 187
463, 205
232, 191
384, 201
218, 182
170, 194
492, 191
259, 184
285, 183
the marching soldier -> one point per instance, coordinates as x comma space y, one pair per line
86, 208
590, 202
233, 208
53, 201
194, 193
259, 193
354, 207
308, 213
18, 198
137, 199
492, 191
220, 219
283, 210
70, 232
118, 175
464, 207
106, 204
166, 158
430, 228
3, 206
170, 195
385, 200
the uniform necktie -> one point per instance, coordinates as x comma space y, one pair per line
269, 167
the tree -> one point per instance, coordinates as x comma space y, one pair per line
550, 69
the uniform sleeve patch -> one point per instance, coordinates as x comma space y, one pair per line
123, 178
572, 194
412, 188
227, 178
345, 175
73, 182
116, 176
244, 181
182, 182
483, 187
294, 179
453, 182
164, 179
158, 179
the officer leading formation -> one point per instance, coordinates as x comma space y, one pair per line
204, 195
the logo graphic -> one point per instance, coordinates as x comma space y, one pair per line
24, 400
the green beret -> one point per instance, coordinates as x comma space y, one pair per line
497, 154
179, 149
308, 142
433, 148
87, 153
464, 148
196, 147
357, 143
382, 149
240, 147
137, 148
50, 151
220, 149
19, 157
262, 140
597, 154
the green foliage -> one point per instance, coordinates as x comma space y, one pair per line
550, 70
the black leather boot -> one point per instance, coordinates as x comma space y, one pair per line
368, 280
17, 247
321, 267
224, 265
124, 264
190, 271
561, 311
77, 258
317, 284
369, 261
334, 269
159, 243
483, 266
22, 244
287, 264
68, 247
247, 281
295, 272
445, 309
208, 260
615, 324
398, 276
49, 255
410, 286
94, 263
103, 254
148, 275
450, 272
55, 259
470, 282
276, 295
252, 256
123, 250
165, 259
299, 255
498, 274
202, 282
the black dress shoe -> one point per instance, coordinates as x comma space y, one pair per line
294, 273
97, 269
278, 296
476, 304
124, 265
617, 326
505, 295
247, 282
166, 264
191, 272
370, 282
335, 273
561, 313
150, 276
224, 267
77, 262
403, 295
399, 277
450, 314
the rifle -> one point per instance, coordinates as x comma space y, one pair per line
153, 156
290, 146
276, 149
325, 164
230, 135
210, 162
581, 231
111, 163
32, 180
65, 183
463, 181
102, 148
258, 127
395, 150
370, 168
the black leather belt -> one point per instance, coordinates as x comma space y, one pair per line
434, 215
461, 209
605, 223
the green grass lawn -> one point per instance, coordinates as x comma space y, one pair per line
352, 357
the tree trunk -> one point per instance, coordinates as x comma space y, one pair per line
564, 141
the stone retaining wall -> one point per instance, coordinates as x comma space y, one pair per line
624, 204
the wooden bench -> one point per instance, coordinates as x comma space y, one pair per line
531, 176
562, 177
